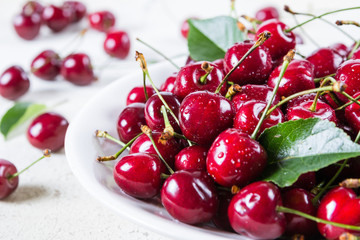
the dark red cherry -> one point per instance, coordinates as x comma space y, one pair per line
168, 85
31, 7
203, 115
188, 80
280, 42
137, 94
27, 26
7, 186
306, 181
248, 116
77, 69
252, 211
299, 76
356, 54
326, 61
235, 159
191, 158
56, 18
138, 175
46, 65
352, 115
14, 83
190, 196
255, 69
130, 120
221, 219
153, 115
47, 131
102, 21
340, 49
339, 205
267, 13
189, 60
346, 74
220, 63
77, 10
117, 44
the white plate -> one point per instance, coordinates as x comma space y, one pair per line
82, 148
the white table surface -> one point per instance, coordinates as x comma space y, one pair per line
49, 202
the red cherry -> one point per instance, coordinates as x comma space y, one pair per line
252, 211
14, 83
306, 181
191, 158
326, 61
46, 65
27, 26
220, 63
168, 85
31, 7
56, 18
220, 218
102, 21
340, 49
138, 175
267, 13
137, 94
77, 69
356, 54
235, 159
346, 74
47, 131
185, 27
117, 44
77, 10
190, 196
189, 60
7, 186
352, 115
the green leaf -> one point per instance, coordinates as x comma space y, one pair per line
209, 39
18, 114
297, 147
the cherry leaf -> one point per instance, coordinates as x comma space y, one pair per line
297, 147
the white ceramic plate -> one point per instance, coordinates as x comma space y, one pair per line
82, 148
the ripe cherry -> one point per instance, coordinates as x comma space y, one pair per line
356, 54
190, 196
267, 13
185, 27
56, 18
326, 61
346, 74
102, 21
77, 10
77, 69
46, 65
31, 7
117, 44
352, 115
191, 158
296, 101
340, 49
168, 85
221, 219
47, 131
14, 83
27, 26
7, 184
137, 94
306, 181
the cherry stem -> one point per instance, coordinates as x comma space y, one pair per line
158, 52
313, 105
144, 83
347, 104
208, 69
347, 22
317, 80
317, 188
164, 176
348, 236
233, 9
315, 219
356, 46
79, 35
46, 153
105, 134
180, 136
305, 33
350, 183
353, 100
287, 59
233, 89
262, 38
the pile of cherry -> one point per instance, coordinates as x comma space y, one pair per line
193, 141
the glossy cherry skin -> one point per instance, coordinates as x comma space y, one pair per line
221, 219
340, 49
77, 69
326, 61
346, 74
168, 85
306, 181
299, 199
255, 69
14, 83
190, 196
46, 65
188, 80
339, 205
203, 115
138, 175
352, 115
47, 131
356, 54
117, 44
130, 120
56, 18
185, 27
248, 116
137, 94
267, 13
235, 159
191, 158
77, 9
27, 26
296, 101
31, 7
101, 21
252, 211
253, 92
280, 43
7, 186
299, 76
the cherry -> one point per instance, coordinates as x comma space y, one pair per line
235, 159
296, 101
138, 175
267, 13
220, 218
77, 9
130, 120
346, 74
7, 185
250, 113
27, 26
101, 21
190, 196
168, 85
255, 69
356, 54
189, 60
340, 49
326, 61
117, 44
280, 42
352, 115
185, 27
77, 69
14, 83
31, 7
220, 63
203, 115
299, 76
189, 79
137, 94
56, 18
47, 131
252, 211
339, 205
306, 181
46, 65
191, 158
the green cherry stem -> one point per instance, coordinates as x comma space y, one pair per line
105, 134
144, 83
356, 46
313, 105
305, 33
207, 68
233, 89
353, 100
180, 136
347, 104
317, 80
